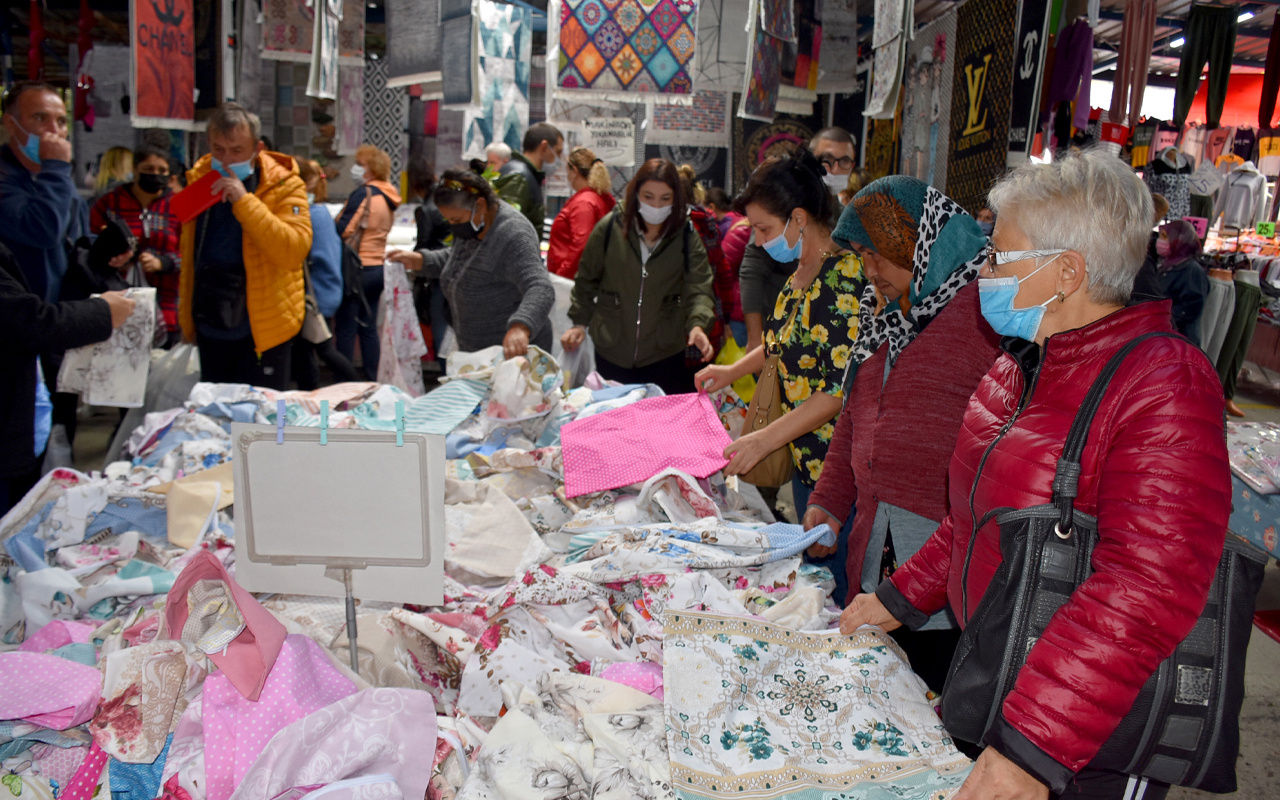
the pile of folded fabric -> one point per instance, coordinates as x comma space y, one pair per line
580, 639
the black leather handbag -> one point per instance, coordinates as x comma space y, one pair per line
1183, 728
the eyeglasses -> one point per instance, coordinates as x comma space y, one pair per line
996, 258
844, 162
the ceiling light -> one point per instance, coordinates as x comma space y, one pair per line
1179, 42
1245, 17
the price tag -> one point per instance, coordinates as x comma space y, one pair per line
1267, 229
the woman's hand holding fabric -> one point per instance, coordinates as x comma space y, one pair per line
747, 452
995, 777
866, 609
698, 338
813, 517
411, 259
573, 338
516, 342
713, 378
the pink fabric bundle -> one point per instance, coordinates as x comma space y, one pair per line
643, 676
248, 659
58, 633
47, 690
633, 443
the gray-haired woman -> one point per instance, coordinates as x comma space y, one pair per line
492, 276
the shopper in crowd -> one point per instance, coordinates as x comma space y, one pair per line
720, 204
115, 168
364, 222
143, 205
493, 278
1182, 278
1146, 286
324, 267
433, 234
836, 151
813, 325
592, 199
30, 326
986, 220
496, 156
177, 176
724, 279
918, 358
1069, 239
644, 286
520, 179
241, 295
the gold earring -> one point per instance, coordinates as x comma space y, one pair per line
1062, 297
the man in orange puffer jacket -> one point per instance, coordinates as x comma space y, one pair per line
241, 293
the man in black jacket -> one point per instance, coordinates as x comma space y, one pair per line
30, 326
520, 180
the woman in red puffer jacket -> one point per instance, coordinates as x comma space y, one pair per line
1068, 242
590, 203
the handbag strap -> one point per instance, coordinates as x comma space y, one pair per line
1066, 479
790, 321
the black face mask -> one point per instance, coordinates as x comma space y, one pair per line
469, 229
151, 183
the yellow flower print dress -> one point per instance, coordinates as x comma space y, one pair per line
815, 348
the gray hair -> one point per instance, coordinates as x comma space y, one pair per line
500, 150
1087, 201
229, 116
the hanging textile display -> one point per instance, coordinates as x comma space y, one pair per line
628, 51
721, 61
350, 113
799, 63
894, 20
323, 80
764, 70
754, 141
208, 53
710, 163
249, 53
882, 147
756, 709
385, 113
288, 31
1028, 70
980, 99
506, 46
838, 64
400, 335
162, 77
703, 124
413, 42
459, 53
926, 106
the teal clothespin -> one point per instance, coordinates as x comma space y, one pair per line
324, 422
399, 423
280, 420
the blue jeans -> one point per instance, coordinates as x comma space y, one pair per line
351, 320
836, 561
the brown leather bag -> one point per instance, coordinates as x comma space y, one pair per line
766, 406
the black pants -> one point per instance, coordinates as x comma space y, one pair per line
351, 322
14, 488
1270, 80
306, 372
1211, 37
237, 362
671, 374
1239, 336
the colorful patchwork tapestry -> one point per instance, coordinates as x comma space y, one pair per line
722, 45
287, 31
760, 710
778, 19
981, 99
413, 41
926, 103
703, 124
764, 71
506, 44
617, 50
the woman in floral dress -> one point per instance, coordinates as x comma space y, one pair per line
813, 325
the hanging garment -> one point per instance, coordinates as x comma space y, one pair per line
1244, 144
1167, 135
1143, 136
1239, 336
1134, 62
1269, 152
1226, 163
114, 372
1170, 175
1192, 143
1219, 305
1216, 142
402, 346
322, 81
1071, 71
1210, 36
1243, 197
1270, 81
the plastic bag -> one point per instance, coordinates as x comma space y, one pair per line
173, 374
577, 364
732, 353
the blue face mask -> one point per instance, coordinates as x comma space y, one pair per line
241, 169
986, 227
780, 251
996, 297
31, 148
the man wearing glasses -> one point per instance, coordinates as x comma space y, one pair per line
835, 149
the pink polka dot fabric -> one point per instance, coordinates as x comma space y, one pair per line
47, 690
58, 763
633, 443
58, 633
644, 676
236, 729
87, 777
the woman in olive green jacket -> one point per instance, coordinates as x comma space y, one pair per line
644, 287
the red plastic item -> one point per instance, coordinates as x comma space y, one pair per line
1268, 622
197, 198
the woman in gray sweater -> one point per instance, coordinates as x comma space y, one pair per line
493, 277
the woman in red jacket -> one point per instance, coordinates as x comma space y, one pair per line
1069, 239
590, 202
924, 350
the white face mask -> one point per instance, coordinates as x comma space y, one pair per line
654, 215
358, 172
836, 183
550, 166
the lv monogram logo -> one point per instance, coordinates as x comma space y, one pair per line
976, 79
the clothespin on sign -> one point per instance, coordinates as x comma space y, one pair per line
399, 423
324, 422
279, 422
